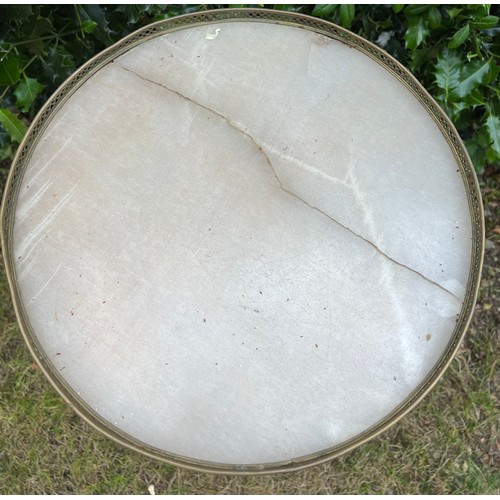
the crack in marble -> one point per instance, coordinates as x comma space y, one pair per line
283, 188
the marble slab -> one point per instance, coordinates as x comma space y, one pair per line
243, 242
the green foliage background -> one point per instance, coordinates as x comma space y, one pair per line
453, 50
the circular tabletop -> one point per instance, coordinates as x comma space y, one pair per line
243, 241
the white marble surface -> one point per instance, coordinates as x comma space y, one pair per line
243, 245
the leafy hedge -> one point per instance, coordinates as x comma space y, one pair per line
453, 50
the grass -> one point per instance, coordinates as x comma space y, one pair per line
449, 444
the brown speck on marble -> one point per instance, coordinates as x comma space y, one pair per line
428, 337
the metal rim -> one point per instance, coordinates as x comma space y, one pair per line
330, 30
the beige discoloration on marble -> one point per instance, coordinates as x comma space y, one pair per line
206, 241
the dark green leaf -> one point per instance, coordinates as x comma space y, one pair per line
397, 7
179, 9
96, 13
288, 7
475, 98
13, 125
472, 75
19, 13
418, 58
133, 12
5, 151
454, 12
346, 14
434, 17
154, 9
160, 17
324, 10
58, 65
459, 37
448, 69
26, 93
478, 10
37, 26
9, 70
476, 153
416, 33
5, 144
493, 127
415, 10
485, 23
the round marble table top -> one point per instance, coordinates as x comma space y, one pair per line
242, 243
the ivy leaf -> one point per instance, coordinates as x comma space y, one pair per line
416, 33
447, 73
13, 125
493, 127
485, 23
472, 75
397, 7
459, 37
9, 70
346, 14
26, 93
324, 10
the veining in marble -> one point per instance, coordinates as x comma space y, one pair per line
243, 253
